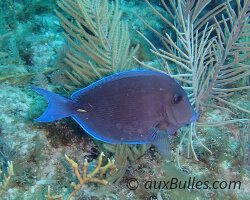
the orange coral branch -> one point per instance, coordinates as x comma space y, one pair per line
85, 177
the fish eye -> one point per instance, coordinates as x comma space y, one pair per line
177, 98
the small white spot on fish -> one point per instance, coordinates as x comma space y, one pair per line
140, 131
119, 126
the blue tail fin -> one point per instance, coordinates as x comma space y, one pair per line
58, 106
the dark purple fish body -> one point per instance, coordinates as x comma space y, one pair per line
132, 107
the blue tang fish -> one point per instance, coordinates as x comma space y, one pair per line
131, 107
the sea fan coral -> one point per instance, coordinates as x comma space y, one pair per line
209, 52
100, 42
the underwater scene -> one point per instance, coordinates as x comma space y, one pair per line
123, 99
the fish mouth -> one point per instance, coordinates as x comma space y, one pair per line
194, 117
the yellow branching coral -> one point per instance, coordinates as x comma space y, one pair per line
6, 179
86, 177
90, 177
56, 197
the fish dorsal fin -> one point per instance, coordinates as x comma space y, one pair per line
114, 77
160, 140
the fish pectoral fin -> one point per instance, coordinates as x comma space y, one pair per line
160, 140
81, 110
